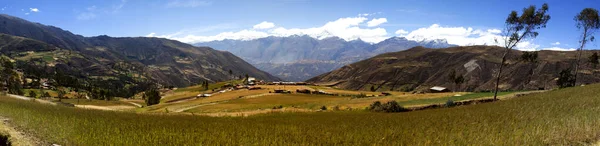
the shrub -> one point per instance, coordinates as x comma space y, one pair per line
450, 103
278, 107
152, 97
32, 94
46, 94
389, 107
565, 79
324, 108
376, 106
336, 108
5, 140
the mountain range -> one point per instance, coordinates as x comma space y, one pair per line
421, 68
298, 58
167, 62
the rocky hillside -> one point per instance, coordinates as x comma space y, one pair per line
297, 58
167, 62
421, 68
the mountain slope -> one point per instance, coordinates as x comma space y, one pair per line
167, 62
422, 68
297, 58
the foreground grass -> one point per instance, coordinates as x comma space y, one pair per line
565, 117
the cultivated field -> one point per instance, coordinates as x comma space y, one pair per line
562, 117
252, 101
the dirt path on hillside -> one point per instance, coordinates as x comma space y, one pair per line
17, 137
135, 104
108, 108
254, 112
29, 98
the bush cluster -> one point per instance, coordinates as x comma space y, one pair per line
389, 107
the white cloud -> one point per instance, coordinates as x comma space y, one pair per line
345, 28
401, 32
456, 35
556, 43
559, 49
117, 8
151, 34
466, 36
527, 46
376, 22
34, 10
89, 13
26, 13
264, 25
92, 8
240, 35
86, 16
187, 3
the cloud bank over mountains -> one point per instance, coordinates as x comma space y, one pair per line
364, 28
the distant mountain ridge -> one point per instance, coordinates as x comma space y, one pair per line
298, 58
167, 62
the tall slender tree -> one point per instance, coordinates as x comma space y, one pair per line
588, 22
520, 28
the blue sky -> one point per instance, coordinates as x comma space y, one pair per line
463, 22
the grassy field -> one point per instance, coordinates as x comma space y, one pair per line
267, 102
194, 90
231, 102
564, 117
453, 98
93, 102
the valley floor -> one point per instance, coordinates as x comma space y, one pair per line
561, 117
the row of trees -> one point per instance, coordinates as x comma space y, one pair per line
11, 81
526, 26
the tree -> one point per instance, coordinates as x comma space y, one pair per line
529, 56
32, 94
452, 78
519, 28
46, 95
565, 79
152, 96
459, 80
588, 22
61, 93
593, 59
11, 79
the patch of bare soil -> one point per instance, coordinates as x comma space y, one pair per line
109, 108
17, 137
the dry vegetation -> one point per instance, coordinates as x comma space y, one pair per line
563, 117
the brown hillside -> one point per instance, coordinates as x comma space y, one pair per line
422, 68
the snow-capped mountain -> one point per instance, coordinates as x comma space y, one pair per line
297, 58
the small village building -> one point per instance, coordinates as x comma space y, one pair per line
438, 89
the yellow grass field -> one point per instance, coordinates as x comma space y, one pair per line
258, 100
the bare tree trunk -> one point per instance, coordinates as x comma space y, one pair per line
500, 72
583, 41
